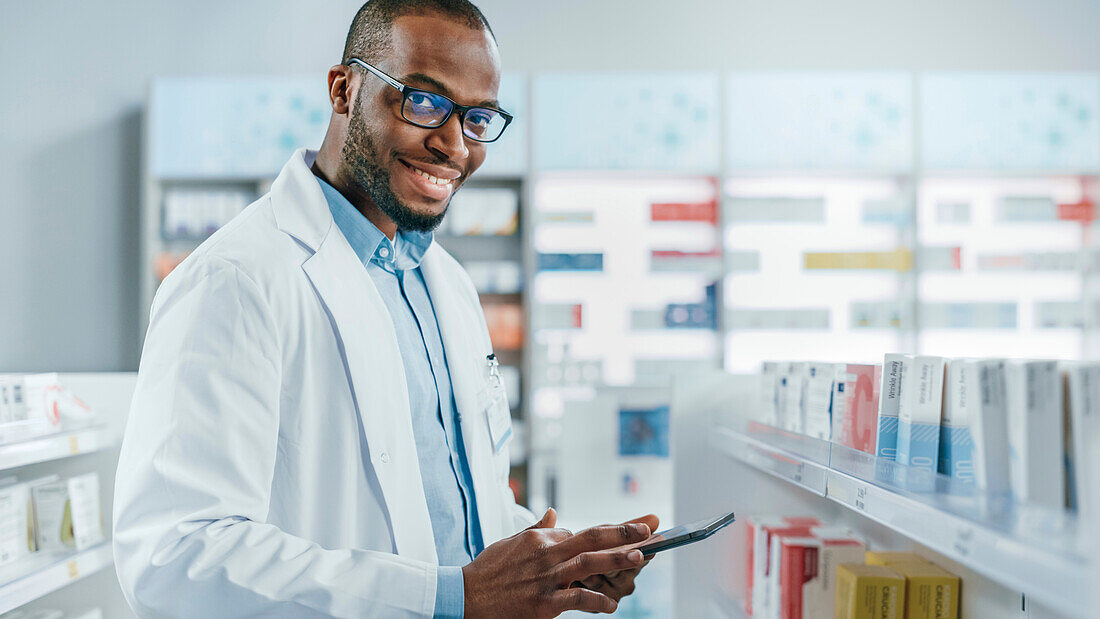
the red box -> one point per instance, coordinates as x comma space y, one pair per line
762, 531
807, 571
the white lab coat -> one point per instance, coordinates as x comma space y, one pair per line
268, 467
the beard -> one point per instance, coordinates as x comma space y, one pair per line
368, 173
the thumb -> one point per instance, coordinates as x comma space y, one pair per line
548, 520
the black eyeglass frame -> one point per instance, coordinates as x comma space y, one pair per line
406, 90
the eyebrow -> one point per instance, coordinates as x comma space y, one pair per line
443, 90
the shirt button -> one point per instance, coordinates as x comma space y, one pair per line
384, 252
384, 457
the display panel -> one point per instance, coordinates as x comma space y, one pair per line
1029, 122
659, 121
819, 120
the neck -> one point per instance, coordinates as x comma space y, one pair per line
327, 168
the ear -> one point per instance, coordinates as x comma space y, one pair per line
339, 88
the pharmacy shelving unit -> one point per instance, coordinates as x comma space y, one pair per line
1015, 561
50, 580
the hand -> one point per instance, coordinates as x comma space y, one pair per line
619, 584
530, 574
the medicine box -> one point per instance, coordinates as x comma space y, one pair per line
855, 425
1035, 436
931, 592
817, 398
1082, 400
919, 412
989, 429
807, 571
886, 438
68, 514
868, 592
765, 531
960, 406
16, 523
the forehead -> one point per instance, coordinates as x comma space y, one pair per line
464, 59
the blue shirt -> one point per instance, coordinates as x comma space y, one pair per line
448, 485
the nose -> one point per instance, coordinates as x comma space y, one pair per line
448, 142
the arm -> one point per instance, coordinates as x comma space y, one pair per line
194, 477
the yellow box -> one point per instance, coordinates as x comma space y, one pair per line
899, 260
931, 592
890, 557
868, 592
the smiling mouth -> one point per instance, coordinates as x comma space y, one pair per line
440, 182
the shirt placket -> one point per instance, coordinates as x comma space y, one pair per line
448, 428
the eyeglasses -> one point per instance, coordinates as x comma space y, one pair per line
430, 110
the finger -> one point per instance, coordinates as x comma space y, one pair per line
650, 520
595, 583
602, 538
582, 599
588, 564
548, 520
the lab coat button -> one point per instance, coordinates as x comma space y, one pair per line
384, 457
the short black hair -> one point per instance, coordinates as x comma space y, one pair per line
370, 34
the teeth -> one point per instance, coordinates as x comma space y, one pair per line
434, 180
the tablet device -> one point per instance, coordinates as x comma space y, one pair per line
684, 535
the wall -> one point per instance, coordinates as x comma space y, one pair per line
75, 75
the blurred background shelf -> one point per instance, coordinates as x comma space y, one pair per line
56, 446
32, 578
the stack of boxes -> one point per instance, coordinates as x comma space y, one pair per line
799, 568
49, 515
1014, 428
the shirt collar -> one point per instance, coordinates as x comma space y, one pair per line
368, 242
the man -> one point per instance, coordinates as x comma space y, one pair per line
318, 428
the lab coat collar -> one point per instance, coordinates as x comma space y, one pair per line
299, 204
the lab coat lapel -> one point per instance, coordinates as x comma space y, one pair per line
459, 326
368, 342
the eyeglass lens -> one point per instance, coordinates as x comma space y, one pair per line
428, 109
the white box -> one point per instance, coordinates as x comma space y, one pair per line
959, 408
989, 428
920, 411
68, 513
889, 402
817, 392
790, 416
1035, 435
1082, 384
768, 401
16, 533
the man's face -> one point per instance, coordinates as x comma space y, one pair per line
385, 155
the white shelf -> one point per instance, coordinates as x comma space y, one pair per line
40, 574
1029, 549
55, 447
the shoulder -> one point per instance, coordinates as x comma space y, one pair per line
250, 248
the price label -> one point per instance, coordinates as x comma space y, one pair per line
861, 498
964, 541
74, 444
74, 570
